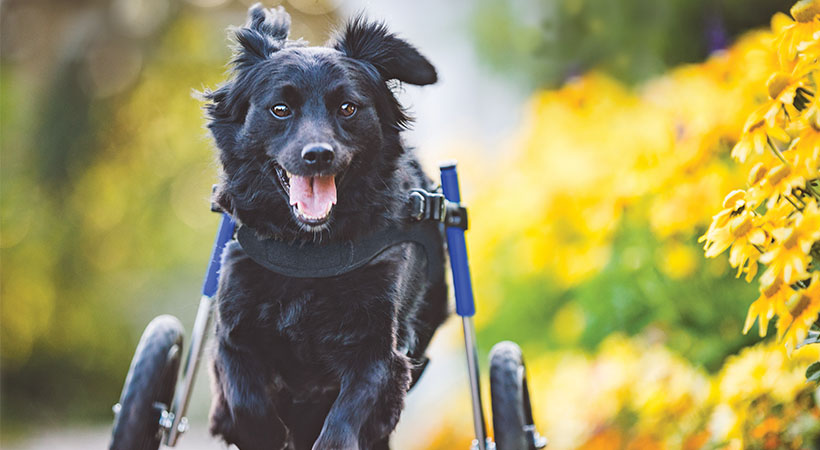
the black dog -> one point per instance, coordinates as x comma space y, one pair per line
309, 142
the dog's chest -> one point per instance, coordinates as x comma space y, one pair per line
305, 328
303, 310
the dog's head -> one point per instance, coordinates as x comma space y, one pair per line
294, 123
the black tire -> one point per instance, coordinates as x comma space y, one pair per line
512, 413
149, 386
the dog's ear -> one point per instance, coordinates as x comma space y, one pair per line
394, 58
265, 33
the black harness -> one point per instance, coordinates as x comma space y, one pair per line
428, 213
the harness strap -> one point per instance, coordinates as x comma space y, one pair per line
309, 260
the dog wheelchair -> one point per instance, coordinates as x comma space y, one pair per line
149, 414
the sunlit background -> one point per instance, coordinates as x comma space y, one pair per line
593, 138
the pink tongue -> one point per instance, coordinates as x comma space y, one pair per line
313, 196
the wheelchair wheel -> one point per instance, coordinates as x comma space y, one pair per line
512, 414
149, 386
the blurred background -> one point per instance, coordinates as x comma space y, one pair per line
593, 138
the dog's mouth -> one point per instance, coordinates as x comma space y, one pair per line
311, 197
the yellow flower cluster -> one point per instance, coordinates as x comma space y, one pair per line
636, 394
776, 220
595, 153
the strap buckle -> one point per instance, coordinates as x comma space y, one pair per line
425, 205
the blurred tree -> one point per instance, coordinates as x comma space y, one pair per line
105, 173
544, 42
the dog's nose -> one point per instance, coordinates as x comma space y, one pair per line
319, 156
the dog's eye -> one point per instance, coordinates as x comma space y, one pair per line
347, 109
280, 110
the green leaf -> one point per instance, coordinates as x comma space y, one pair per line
813, 372
812, 338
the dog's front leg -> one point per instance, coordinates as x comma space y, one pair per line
369, 402
245, 386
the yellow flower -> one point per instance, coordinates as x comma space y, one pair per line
783, 87
772, 301
809, 221
794, 233
805, 10
803, 313
810, 116
806, 153
779, 22
794, 37
779, 216
756, 132
780, 181
757, 191
808, 225
735, 226
788, 257
720, 236
745, 250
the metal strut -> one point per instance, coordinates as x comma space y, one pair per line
174, 421
465, 306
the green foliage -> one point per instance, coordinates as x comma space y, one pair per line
700, 316
544, 42
813, 372
812, 338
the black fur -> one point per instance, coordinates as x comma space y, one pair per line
318, 363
